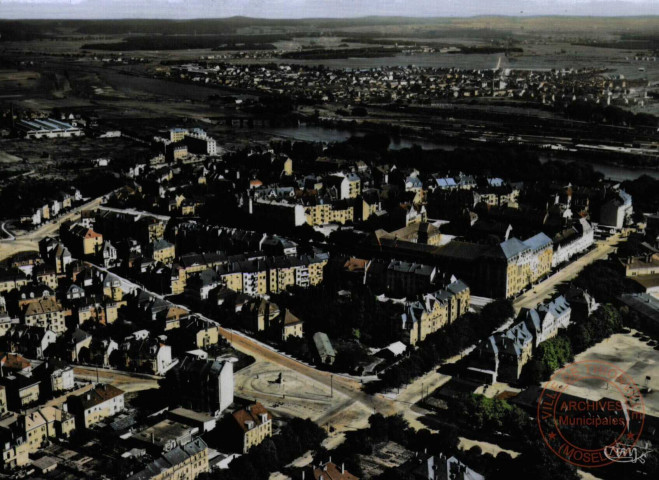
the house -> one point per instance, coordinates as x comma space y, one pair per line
414, 320
109, 254
12, 279
44, 423
616, 211
45, 313
112, 287
405, 278
46, 275
253, 424
544, 322
292, 326
582, 304
506, 353
81, 240
22, 388
62, 378
100, 351
29, 341
15, 448
261, 314
76, 342
95, 405
162, 251
149, 355
200, 333
32, 293
182, 462
324, 349
572, 241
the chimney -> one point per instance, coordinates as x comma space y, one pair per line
343, 468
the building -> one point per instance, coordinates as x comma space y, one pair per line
416, 319
516, 264
330, 471
292, 326
203, 421
572, 241
22, 389
200, 333
641, 266
47, 128
202, 385
324, 349
165, 435
45, 423
505, 354
12, 279
617, 211
254, 424
544, 322
419, 232
441, 467
185, 462
81, 240
46, 313
163, 251
95, 405
646, 308
405, 278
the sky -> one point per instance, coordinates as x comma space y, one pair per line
317, 8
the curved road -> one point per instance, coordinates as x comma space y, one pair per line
30, 240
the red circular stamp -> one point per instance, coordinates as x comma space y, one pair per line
591, 433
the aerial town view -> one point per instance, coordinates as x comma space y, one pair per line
329, 239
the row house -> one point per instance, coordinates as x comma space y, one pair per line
187, 461
572, 241
12, 280
116, 225
516, 264
430, 313
82, 241
543, 322
149, 355
55, 254
504, 355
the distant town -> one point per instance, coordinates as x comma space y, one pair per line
190, 288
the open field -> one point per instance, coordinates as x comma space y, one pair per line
285, 391
630, 354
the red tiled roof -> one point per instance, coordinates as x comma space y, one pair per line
251, 413
329, 471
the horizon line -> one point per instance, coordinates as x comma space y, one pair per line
359, 17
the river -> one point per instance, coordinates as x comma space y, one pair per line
314, 133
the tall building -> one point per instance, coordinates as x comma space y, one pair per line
202, 385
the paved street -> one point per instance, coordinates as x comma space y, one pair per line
547, 288
127, 381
